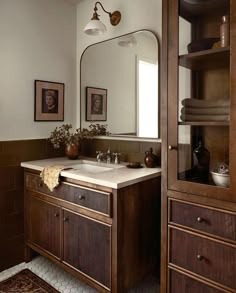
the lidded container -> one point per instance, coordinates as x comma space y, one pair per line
224, 31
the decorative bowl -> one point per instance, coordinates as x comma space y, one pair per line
220, 179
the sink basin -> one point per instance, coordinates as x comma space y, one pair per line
90, 168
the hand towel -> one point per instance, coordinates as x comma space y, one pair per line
206, 111
50, 176
196, 103
189, 117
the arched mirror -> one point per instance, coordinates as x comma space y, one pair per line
120, 77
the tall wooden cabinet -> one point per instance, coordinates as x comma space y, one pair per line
198, 217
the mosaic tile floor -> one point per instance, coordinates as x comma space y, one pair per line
66, 283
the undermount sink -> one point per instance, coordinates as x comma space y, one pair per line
90, 168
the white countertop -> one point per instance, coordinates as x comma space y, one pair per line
117, 176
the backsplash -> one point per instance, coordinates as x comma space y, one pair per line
131, 151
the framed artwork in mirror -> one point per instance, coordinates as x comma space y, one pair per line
96, 104
49, 101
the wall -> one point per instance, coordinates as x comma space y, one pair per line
38, 41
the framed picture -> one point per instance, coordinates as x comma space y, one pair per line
49, 101
96, 104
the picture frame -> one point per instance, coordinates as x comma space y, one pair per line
96, 104
49, 100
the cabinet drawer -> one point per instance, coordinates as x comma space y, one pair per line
99, 201
204, 219
205, 257
185, 284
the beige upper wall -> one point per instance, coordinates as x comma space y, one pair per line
38, 41
136, 15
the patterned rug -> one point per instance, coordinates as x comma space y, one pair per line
24, 282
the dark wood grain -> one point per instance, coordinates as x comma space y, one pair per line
218, 260
185, 284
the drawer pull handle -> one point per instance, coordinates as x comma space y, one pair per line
172, 147
81, 197
200, 257
200, 219
66, 219
56, 215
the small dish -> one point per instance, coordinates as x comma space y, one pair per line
134, 165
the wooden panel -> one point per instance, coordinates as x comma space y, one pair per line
43, 225
185, 284
207, 258
203, 219
87, 246
92, 199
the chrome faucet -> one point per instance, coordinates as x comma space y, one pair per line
99, 156
117, 159
108, 156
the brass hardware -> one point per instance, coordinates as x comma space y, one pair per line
172, 147
65, 219
81, 197
200, 219
200, 257
56, 215
40, 184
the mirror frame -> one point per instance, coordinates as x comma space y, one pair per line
128, 137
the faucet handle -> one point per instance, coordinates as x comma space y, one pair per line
99, 156
117, 159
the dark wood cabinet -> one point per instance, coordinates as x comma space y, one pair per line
87, 246
106, 237
198, 214
44, 225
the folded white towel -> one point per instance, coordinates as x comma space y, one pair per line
196, 103
50, 176
206, 111
189, 117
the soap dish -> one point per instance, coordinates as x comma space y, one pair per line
134, 165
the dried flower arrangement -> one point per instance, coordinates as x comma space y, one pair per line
63, 135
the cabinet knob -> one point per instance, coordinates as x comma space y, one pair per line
40, 184
172, 147
65, 219
56, 215
200, 219
200, 257
81, 197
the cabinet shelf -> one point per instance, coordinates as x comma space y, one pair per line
192, 11
204, 123
207, 59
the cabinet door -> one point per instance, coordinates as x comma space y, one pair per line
43, 225
87, 246
200, 135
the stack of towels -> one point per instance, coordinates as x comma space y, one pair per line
202, 110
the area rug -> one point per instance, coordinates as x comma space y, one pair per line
24, 282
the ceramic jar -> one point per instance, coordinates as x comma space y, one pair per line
150, 160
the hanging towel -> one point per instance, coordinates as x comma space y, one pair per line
206, 111
50, 176
196, 103
189, 117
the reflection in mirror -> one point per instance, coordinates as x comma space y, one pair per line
127, 67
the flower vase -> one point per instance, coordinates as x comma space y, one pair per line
72, 151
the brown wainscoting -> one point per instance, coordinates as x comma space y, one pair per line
12, 153
131, 151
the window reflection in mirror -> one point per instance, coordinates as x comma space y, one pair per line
128, 68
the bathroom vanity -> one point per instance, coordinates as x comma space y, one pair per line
101, 226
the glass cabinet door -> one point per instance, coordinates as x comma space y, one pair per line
199, 97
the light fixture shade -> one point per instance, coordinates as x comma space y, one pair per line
95, 27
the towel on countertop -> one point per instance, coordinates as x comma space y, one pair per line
205, 111
50, 176
196, 103
189, 117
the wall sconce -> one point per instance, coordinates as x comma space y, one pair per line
95, 26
